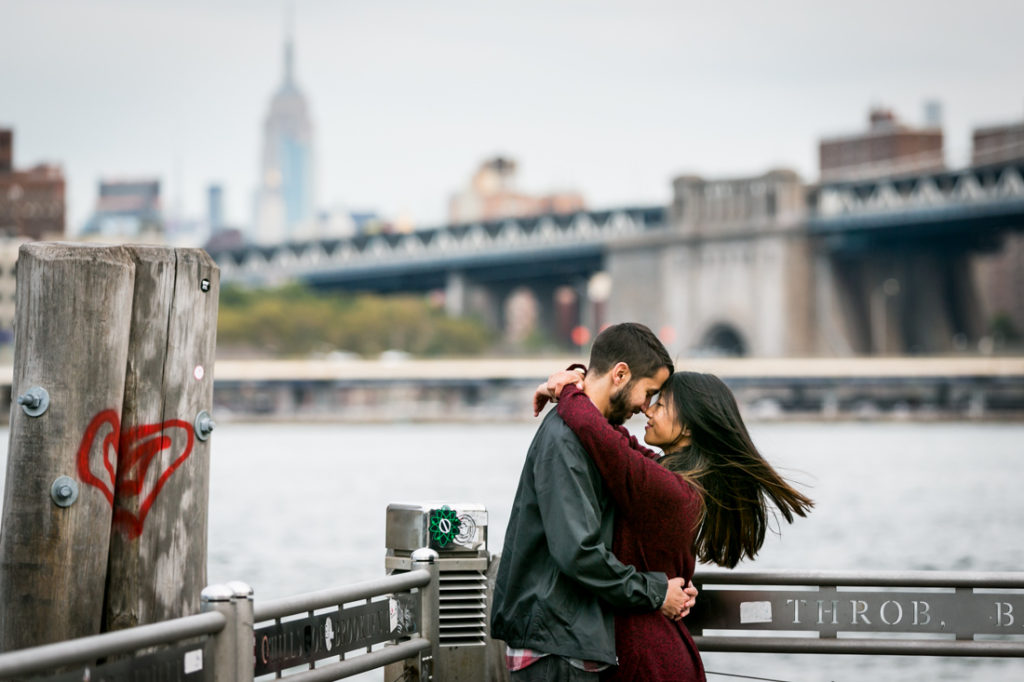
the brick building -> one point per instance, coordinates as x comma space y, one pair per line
32, 201
888, 147
994, 144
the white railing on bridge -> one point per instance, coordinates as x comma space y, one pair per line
443, 245
935, 190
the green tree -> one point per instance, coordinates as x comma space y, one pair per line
294, 321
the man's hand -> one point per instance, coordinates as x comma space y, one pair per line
541, 398
679, 600
552, 388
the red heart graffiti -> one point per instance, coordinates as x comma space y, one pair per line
133, 452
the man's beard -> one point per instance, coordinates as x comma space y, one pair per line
619, 409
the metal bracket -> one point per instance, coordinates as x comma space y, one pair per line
203, 425
64, 491
35, 401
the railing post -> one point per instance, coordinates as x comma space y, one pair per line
245, 659
233, 646
430, 625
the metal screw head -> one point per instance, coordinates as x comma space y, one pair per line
203, 425
35, 401
204, 286
64, 491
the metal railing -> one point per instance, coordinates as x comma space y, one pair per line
86, 650
930, 613
220, 644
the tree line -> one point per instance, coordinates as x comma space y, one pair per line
294, 321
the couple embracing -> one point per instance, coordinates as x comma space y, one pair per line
594, 579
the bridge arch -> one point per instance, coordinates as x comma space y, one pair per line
723, 339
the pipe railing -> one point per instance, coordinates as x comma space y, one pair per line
218, 644
928, 613
40, 659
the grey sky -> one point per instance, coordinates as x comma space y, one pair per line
609, 98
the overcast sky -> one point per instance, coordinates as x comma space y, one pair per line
611, 99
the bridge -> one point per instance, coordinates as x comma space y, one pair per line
765, 266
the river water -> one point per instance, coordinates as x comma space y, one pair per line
297, 507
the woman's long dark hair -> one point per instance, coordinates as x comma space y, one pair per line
721, 461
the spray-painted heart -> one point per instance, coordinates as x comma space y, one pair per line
133, 452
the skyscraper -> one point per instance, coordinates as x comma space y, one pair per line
284, 200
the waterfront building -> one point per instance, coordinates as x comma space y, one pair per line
997, 143
492, 194
8, 285
127, 209
888, 147
32, 201
285, 199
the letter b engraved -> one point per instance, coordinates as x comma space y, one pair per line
921, 609
1004, 614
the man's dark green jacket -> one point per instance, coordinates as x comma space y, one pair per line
558, 581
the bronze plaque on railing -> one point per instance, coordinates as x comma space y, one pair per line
313, 638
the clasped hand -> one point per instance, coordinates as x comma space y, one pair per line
679, 600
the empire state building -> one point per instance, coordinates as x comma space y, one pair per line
284, 200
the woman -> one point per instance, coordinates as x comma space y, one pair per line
704, 498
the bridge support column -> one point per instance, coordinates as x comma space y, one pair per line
463, 297
835, 330
902, 302
521, 313
567, 314
455, 294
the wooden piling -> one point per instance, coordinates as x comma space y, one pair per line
71, 338
157, 565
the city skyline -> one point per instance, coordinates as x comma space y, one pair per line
407, 99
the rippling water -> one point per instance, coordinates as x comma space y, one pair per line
301, 507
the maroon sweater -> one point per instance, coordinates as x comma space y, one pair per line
654, 531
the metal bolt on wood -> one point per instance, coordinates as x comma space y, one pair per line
64, 491
35, 401
204, 425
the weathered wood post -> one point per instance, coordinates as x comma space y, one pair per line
71, 338
157, 566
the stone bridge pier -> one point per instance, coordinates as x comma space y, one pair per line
536, 310
901, 301
730, 274
767, 266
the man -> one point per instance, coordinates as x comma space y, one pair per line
558, 581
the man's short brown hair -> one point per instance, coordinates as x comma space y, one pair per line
633, 344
